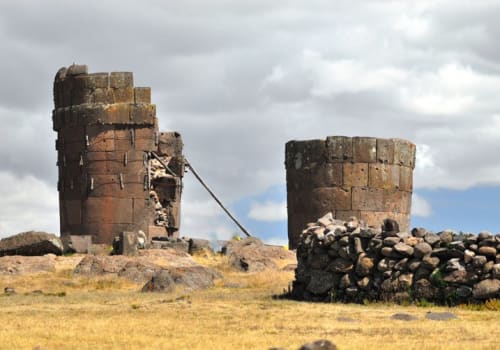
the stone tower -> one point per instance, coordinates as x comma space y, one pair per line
106, 132
366, 177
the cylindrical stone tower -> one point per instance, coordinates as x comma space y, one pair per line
366, 177
105, 128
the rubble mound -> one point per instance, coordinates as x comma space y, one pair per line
31, 243
350, 262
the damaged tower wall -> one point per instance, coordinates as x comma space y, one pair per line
366, 177
106, 129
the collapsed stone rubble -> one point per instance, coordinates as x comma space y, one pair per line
351, 262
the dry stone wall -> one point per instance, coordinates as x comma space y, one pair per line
348, 261
106, 131
366, 177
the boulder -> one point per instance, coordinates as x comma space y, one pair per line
403, 249
319, 345
488, 251
251, 255
364, 265
404, 317
432, 238
486, 289
422, 249
161, 281
31, 243
440, 316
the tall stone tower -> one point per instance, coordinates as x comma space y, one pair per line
107, 130
366, 177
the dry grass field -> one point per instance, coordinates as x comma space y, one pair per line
239, 313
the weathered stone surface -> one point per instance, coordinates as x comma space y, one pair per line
319, 345
321, 282
31, 243
341, 265
488, 251
440, 316
403, 249
422, 249
77, 244
364, 266
404, 317
19, 265
486, 289
432, 238
250, 254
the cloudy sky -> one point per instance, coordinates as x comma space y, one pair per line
240, 78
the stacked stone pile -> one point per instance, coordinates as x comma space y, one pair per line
351, 262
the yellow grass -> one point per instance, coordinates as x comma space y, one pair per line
239, 313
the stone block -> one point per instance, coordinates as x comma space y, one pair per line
77, 69
118, 113
123, 95
355, 174
100, 144
81, 92
142, 95
325, 175
405, 179
103, 95
156, 231
143, 114
346, 214
404, 153
364, 149
339, 149
377, 199
98, 81
145, 145
326, 199
73, 211
108, 210
385, 151
77, 243
301, 154
121, 80
76, 134
128, 243
384, 176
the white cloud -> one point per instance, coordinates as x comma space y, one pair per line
420, 206
27, 204
268, 211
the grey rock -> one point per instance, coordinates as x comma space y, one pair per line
346, 319
321, 282
401, 265
391, 241
386, 264
488, 251
9, 290
414, 264
479, 261
454, 265
430, 262
319, 261
486, 289
319, 345
345, 281
484, 235
468, 255
358, 248
422, 249
386, 251
364, 282
446, 236
403, 249
162, 281
496, 271
423, 289
432, 238
488, 267
474, 247
418, 232
31, 243
404, 317
340, 265
440, 316
464, 291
